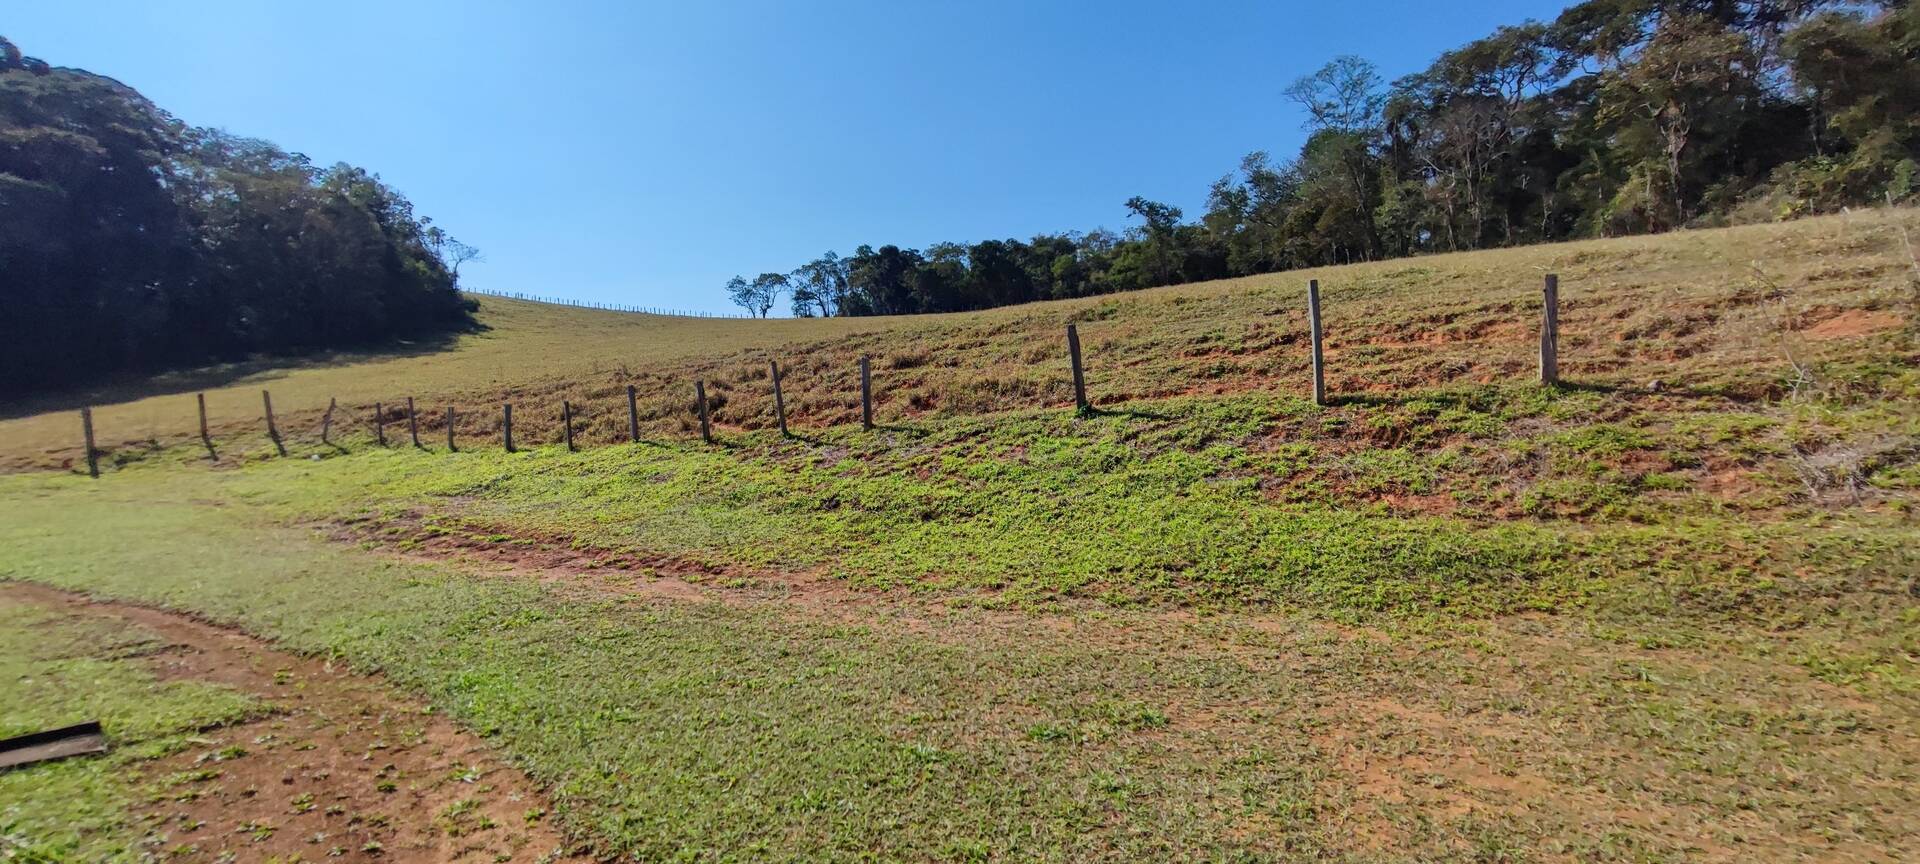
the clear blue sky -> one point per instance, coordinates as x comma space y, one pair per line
644, 152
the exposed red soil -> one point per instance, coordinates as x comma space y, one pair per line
1854, 323
341, 770
560, 560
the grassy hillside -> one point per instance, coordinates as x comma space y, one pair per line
1740, 403
1454, 616
1724, 312
134, 243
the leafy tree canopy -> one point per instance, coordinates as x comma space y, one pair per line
131, 242
1617, 117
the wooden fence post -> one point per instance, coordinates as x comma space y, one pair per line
450, 447
272, 430
1319, 359
413, 422
700, 395
633, 415
86, 430
379, 424
1079, 378
866, 392
205, 438
779, 402
1550, 331
506, 424
566, 422
326, 422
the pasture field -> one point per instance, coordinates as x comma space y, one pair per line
1726, 312
1669, 611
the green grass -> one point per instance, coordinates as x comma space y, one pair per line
57, 669
896, 729
1666, 612
1220, 503
667, 730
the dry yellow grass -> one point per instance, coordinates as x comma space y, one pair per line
1731, 310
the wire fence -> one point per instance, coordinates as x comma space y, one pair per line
605, 307
393, 423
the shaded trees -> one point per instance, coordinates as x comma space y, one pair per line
1862, 80
130, 242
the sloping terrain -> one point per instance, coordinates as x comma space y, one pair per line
1727, 312
1667, 611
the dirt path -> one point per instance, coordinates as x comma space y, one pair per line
343, 770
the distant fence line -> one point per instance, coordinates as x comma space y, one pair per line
1549, 375
604, 307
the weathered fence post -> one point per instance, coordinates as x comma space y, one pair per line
413, 422
866, 392
1550, 331
1319, 359
700, 395
1079, 378
86, 430
379, 424
326, 422
205, 437
506, 424
272, 430
566, 422
450, 447
633, 415
779, 402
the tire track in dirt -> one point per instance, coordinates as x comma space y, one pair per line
342, 769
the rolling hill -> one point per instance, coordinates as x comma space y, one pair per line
1665, 611
1725, 312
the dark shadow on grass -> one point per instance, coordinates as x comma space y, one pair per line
1765, 394
260, 370
1476, 397
1129, 413
698, 443
1375, 399
902, 429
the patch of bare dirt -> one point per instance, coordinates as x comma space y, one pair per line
1854, 323
1395, 757
556, 559
561, 561
342, 770
1425, 505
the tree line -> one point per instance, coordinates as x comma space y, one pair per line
1618, 117
131, 242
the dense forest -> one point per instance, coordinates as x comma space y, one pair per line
131, 242
1619, 117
